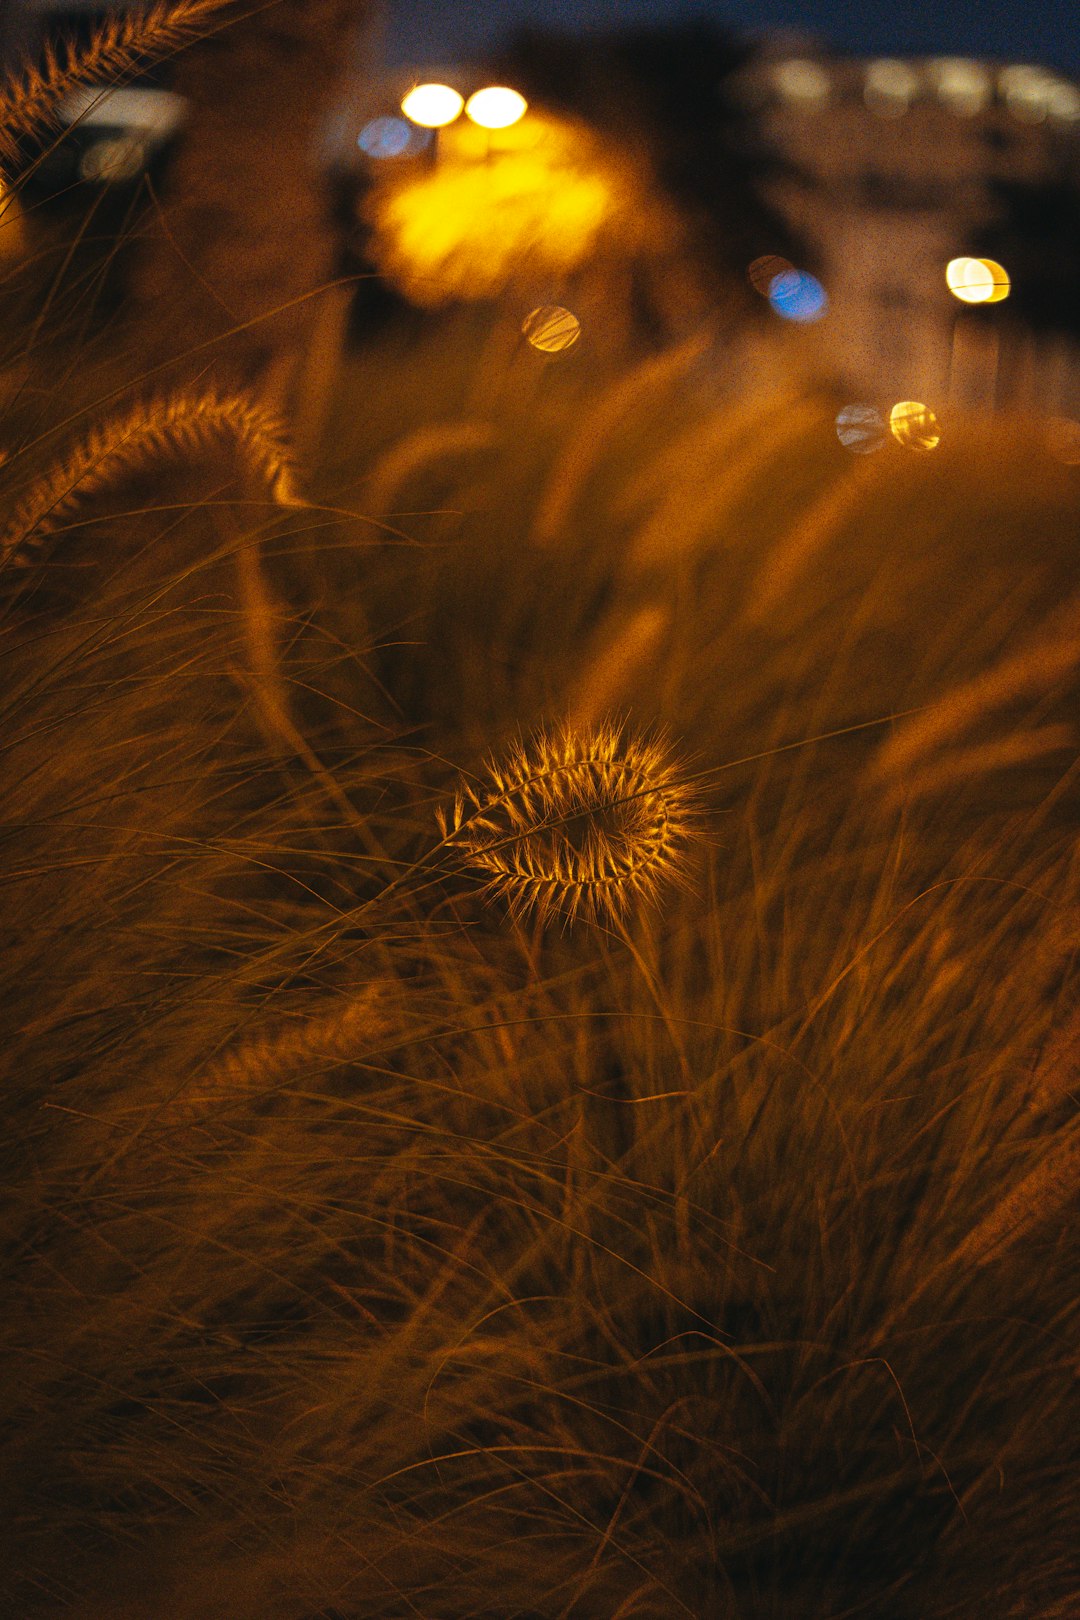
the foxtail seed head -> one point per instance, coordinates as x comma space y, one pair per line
576, 823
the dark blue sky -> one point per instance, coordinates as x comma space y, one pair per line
1045, 31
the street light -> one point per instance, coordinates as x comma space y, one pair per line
914, 425
1000, 278
496, 107
977, 281
432, 105
973, 345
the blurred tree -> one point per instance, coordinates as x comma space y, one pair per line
672, 96
245, 238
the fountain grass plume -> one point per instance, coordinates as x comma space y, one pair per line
132, 442
29, 100
578, 823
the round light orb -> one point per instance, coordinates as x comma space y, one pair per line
1026, 91
1063, 440
861, 429
805, 84
114, 159
890, 88
761, 273
432, 105
1063, 102
914, 425
391, 138
963, 86
798, 296
999, 277
551, 329
496, 107
970, 280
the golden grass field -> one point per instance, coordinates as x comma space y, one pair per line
373, 1252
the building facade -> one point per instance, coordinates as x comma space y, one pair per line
902, 166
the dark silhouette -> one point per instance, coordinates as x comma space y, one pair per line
674, 95
1035, 234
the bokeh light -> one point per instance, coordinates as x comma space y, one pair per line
1063, 440
551, 329
496, 107
798, 296
961, 84
806, 84
551, 199
969, 280
432, 105
914, 425
762, 272
890, 88
1026, 91
977, 281
861, 429
1001, 286
1063, 102
117, 158
391, 138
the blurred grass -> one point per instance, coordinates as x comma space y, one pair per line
598, 1276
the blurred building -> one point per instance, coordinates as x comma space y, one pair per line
895, 168
906, 165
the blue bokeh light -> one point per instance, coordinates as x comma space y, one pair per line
798, 296
391, 138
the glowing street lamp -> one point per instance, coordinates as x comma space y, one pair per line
977, 281
1000, 278
432, 106
969, 280
496, 107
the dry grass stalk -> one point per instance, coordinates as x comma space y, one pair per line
337, 1035
577, 824
578, 459
786, 566
694, 455
700, 489
1043, 1193
128, 444
30, 100
1030, 672
432, 442
966, 764
627, 651
1057, 1073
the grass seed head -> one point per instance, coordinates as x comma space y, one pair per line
578, 823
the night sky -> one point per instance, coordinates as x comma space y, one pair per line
1044, 31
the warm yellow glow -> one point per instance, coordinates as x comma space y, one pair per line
497, 107
914, 425
977, 281
541, 208
432, 105
551, 329
999, 277
969, 280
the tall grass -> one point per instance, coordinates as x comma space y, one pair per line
369, 1253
